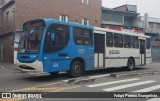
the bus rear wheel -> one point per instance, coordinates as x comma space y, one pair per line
76, 69
130, 65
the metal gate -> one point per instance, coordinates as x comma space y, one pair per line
156, 53
1, 50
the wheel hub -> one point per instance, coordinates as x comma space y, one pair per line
77, 69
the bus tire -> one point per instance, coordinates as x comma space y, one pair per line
54, 74
130, 64
76, 69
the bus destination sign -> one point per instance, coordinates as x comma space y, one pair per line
34, 24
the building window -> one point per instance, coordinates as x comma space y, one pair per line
85, 21
7, 18
63, 18
151, 25
85, 2
113, 18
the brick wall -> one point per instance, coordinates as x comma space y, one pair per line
7, 48
33, 9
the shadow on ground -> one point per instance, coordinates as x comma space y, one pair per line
62, 76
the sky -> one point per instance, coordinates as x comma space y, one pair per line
152, 7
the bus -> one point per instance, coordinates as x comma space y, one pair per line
52, 46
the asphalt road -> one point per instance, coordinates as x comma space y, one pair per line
13, 80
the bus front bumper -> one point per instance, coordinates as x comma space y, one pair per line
36, 67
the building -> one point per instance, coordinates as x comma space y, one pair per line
7, 12
151, 27
121, 18
13, 13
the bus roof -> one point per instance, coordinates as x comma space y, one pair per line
121, 32
49, 21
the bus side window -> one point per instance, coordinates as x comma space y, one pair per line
82, 36
78, 36
135, 42
148, 43
57, 38
127, 41
87, 37
109, 39
118, 40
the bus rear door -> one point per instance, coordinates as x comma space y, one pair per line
142, 52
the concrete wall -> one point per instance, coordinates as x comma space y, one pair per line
7, 23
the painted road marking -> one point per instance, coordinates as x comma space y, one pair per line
14, 99
98, 76
66, 88
128, 85
47, 89
90, 77
154, 99
36, 86
148, 89
112, 82
55, 89
66, 80
2, 66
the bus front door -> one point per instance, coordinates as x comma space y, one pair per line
99, 44
142, 52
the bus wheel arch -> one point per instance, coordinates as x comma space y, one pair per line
77, 67
130, 64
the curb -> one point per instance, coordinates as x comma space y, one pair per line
132, 75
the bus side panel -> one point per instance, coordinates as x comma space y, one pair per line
121, 58
82, 51
57, 62
111, 57
130, 52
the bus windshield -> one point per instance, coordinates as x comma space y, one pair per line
30, 40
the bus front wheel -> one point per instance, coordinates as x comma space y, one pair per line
76, 69
130, 64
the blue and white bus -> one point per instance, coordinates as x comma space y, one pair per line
52, 46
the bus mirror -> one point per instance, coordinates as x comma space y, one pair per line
52, 36
16, 36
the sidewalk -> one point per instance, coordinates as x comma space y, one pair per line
8, 65
156, 61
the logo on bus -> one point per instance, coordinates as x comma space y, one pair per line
81, 51
114, 52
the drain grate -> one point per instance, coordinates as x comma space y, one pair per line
81, 81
